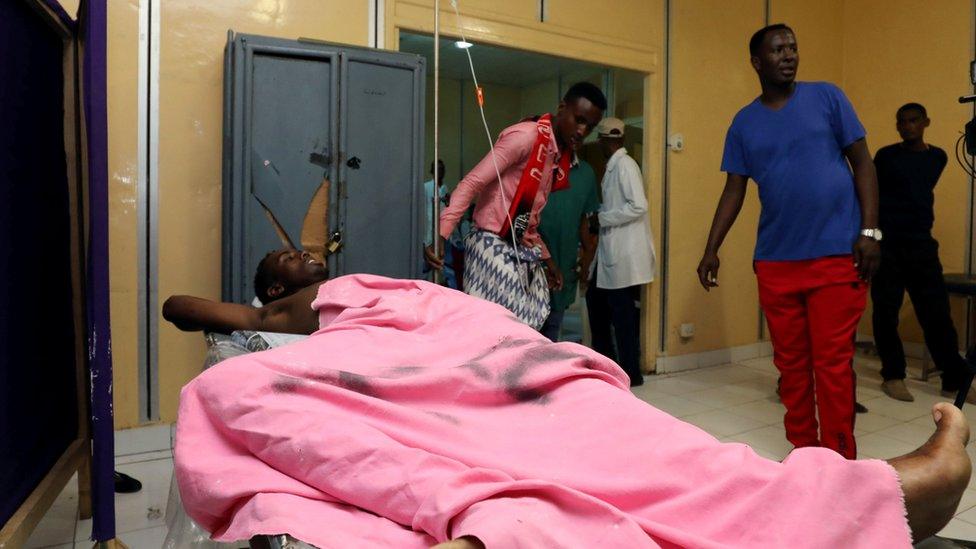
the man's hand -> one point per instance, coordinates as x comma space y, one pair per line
583, 276
728, 209
435, 258
708, 270
553, 275
867, 257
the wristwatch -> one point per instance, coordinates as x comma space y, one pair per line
872, 233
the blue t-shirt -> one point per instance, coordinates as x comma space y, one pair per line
795, 155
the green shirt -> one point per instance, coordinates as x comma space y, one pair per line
560, 225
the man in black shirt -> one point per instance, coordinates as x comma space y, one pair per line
907, 174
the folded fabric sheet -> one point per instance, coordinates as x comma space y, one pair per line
418, 414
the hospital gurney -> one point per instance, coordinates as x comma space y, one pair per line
182, 531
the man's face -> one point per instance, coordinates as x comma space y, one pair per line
608, 145
295, 269
778, 58
911, 124
575, 120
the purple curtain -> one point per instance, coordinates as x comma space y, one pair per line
92, 21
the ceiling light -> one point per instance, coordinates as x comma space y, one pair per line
461, 44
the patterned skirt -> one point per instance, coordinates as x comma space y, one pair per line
491, 272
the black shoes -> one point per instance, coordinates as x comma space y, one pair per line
124, 484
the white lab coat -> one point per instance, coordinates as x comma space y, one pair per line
625, 255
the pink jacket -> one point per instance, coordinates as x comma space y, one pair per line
481, 185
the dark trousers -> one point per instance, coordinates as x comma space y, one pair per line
620, 309
552, 325
912, 264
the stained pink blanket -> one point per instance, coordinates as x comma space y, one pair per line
418, 414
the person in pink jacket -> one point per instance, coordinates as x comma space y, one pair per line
506, 261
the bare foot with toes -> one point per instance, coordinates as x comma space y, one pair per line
934, 476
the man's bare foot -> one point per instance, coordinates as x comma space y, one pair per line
463, 542
934, 476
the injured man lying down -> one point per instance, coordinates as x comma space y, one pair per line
418, 416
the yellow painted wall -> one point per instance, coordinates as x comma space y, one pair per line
539, 98
710, 74
515, 24
70, 6
190, 110
711, 79
896, 51
632, 21
819, 28
509, 10
190, 113
652, 160
122, 96
192, 39
883, 53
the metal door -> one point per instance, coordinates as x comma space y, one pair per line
282, 139
380, 131
287, 106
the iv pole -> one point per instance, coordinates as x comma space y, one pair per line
435, 234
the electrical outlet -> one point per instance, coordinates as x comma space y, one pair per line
687, 330
676, 142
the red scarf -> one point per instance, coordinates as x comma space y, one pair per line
532, 175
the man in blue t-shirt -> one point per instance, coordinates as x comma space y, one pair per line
817, 246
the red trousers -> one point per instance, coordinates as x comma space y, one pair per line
813, 307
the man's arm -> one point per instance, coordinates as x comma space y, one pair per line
554, 276
635, 203
728, 209
943, 160
588, 244
509, 149
292, 314
867, 251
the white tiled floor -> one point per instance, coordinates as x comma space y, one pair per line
734, 402
145, 454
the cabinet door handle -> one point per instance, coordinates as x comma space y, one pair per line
353, 162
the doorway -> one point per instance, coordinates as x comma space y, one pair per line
517, 84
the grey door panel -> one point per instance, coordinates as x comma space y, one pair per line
380, 107
298, 111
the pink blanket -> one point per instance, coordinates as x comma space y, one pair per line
418, 414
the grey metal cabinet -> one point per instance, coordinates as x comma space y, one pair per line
298, 111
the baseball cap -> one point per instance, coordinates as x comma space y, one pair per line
610, 127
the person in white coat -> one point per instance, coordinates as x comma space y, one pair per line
625, 255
